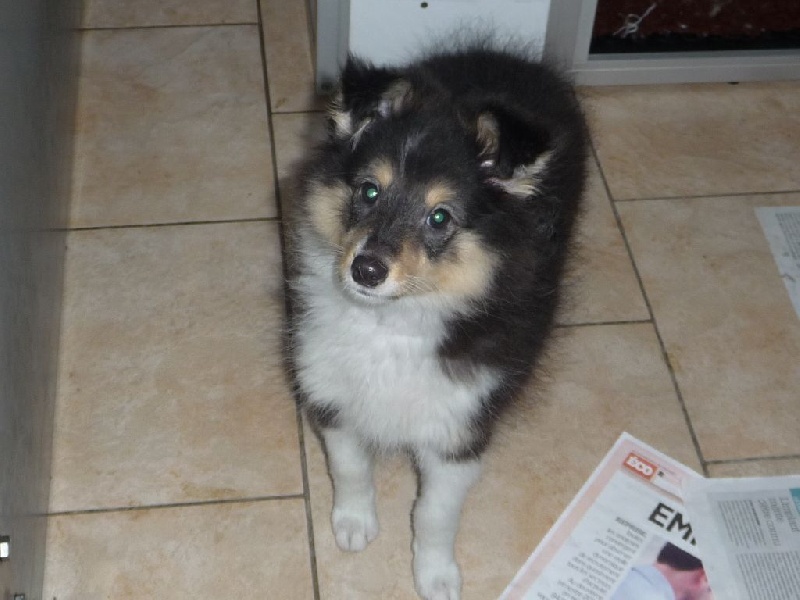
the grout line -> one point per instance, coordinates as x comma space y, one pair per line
168, 26
662, 346
120, 509
172, 224
270, 125
750, 459
702, 196
311, 33
602, 323
312, 552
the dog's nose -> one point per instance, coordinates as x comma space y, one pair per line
368, 270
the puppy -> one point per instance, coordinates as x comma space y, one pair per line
427, 250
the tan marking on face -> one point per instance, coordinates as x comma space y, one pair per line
466, 271
406, 270
325, 205
349, 245
383, 171
438, 193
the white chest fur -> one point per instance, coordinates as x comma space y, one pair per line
377, 366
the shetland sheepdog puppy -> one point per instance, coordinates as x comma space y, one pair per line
427, 247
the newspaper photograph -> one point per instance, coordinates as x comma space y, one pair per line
751, 529
625, 536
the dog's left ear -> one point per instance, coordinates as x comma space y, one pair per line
513, 150
366, 92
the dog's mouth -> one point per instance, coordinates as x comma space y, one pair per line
366, 297
373, 295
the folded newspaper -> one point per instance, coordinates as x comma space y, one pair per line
645, 527
781, 225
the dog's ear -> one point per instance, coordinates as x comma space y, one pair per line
365, 93
513, 150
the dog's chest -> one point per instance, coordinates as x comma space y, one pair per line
378, 366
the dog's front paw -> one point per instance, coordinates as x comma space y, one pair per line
437, 577
354, 528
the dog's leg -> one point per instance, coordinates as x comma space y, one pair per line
443, 488
355, 523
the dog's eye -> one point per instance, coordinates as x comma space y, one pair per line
369, 192
438, 218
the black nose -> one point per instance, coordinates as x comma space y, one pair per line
368, 270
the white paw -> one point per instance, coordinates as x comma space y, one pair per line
437, 578
353, 528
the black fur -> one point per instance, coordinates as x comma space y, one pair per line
441, 99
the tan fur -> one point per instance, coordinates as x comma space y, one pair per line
407, 270
438, 193
349, 244
325, 204
525, 180
470, 270
466, 270
488, 135
362, 127
342, 120
383, 171
397, 97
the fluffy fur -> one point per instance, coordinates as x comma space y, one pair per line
428, 245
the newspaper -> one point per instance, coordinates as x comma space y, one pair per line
606, 543
750, 532
631, 534
781, 226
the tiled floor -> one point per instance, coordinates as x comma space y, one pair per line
181, 469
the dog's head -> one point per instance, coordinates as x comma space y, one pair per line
416, 182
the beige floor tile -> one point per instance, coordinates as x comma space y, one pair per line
688, 140
295, 135
248, 550
148, 13
602, 286
726, 319
290, 66
607, 379
171, 384
756, 468
171, 127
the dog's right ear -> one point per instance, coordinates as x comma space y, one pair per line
366, 93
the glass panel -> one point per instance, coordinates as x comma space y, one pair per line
622, 26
